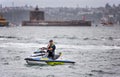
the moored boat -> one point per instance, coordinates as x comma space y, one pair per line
3, 22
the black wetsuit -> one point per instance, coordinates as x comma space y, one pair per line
51, 53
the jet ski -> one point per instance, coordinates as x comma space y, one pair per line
41, 57
38, 60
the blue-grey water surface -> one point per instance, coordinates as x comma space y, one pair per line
96, 51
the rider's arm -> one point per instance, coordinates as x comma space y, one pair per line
48, 46
50, 49
53, 48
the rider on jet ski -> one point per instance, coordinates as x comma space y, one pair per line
50, 49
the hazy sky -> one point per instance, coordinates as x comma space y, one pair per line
59, 3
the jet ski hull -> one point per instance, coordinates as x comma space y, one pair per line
47, 61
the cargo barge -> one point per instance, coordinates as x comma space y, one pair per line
37, 19
57, 23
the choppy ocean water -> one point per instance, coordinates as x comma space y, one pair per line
96, 51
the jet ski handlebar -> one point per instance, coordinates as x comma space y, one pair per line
43, 48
